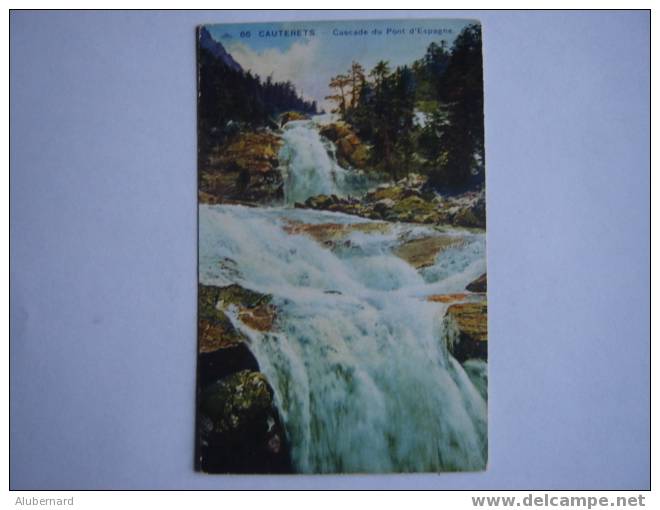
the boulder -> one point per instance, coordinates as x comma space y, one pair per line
412, 180
234, 401
351, 151
415, 209
410, 204
466, 330
222, 348
319, 202
335, 131
344, 148
422, 252
245, 168
240, 428
333, 234
384, 206
478, 285
393, 193
360, 156
466, 210
207, 198
448, 298
468, 217
254, 309
289, 116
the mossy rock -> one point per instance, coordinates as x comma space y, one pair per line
207, 298
289, 116
423, 252
243, 169
469, 218
334, 234
215, 328
335, 131
389, 192
319, 202
415, 209
360, 156
236, 295
222, 348
240, 429
237, 400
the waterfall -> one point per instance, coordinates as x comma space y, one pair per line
360, 373
359, 370
309, 165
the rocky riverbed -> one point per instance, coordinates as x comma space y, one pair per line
306, 311
240, 430
247, 169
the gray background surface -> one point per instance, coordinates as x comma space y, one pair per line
103, 251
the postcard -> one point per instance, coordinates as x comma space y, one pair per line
342, 313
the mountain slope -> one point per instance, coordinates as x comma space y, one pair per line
216, 49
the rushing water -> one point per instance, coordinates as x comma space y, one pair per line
360, 373
310, 166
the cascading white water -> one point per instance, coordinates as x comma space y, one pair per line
359, 370
309, 166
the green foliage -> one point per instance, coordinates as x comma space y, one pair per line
460, 164
444, 85
430, 69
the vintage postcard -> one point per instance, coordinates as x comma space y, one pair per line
342, 314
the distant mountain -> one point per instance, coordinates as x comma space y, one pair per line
216, 49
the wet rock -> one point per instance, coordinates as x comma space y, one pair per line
422, 252
466, 210
412, 180
335, 131
222, 348
351, 151
255, 152
240, 428
478, 285
254, 309
234, 401
333, 234
469, 217
216, 331
289, 116
384, 206
344, 147
243, 169
415, 209
466, 330
359, 157
409, 205
207, 198
224, 361
454, 298
390, 192
407, 201
319, 202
